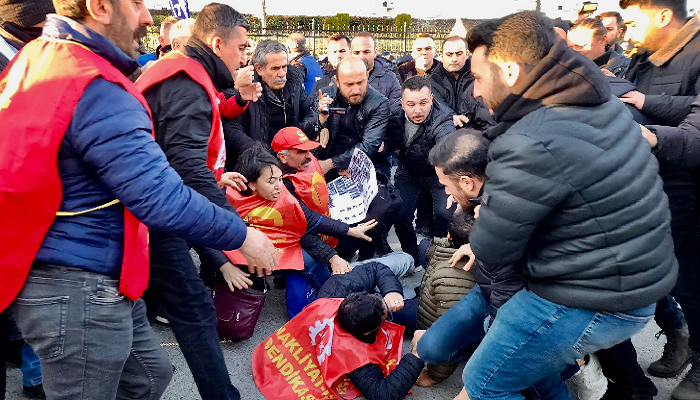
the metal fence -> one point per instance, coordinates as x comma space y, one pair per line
397, 43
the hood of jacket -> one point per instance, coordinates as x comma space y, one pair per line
563, 77
381, 66
215, 67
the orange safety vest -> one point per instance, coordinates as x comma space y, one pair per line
309, 357
168, 66
283, 222
310, 186
51, 76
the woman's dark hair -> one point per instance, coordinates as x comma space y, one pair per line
360, 313
252, 162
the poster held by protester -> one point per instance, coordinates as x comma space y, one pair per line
350, 197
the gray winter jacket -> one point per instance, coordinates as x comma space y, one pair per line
574, 192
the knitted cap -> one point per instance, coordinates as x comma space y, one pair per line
25, 13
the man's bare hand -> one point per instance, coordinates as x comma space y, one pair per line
244, 77
359, 230
416, 338
607, 73
233, 180
476, 211
459, 120
465, 250
324, 101
339, 265
450, 201
251, 92
323, 137
649, 136
394, 300
234, 277
260, 253
346, 173
326, 165
635, 98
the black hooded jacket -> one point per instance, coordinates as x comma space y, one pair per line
573, 192
449, 90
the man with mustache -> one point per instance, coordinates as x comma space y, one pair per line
421, 124
76, 269
182, 90
283, 103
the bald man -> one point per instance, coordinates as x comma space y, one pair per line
351, 115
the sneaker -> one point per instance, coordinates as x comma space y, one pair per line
34, 392
689, 388
588, 383
161, 320
676, 356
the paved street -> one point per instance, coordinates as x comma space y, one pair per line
274, 315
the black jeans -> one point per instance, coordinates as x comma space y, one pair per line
409, 188
627, 378
176, 288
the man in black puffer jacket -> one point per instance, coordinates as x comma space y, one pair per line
595, 245
283, 103
421, 124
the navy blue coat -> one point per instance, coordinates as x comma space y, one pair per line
108, 152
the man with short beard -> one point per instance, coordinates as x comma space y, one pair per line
284, 102
452, 77
182, 90
424, 61
80, 265
615, 27
562, 149
666, 72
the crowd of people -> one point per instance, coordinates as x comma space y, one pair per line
539, 173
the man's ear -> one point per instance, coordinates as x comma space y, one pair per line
216, 43
664, 17
511, 72
335, 79
466, 184
161, 40
100, 10
282, 158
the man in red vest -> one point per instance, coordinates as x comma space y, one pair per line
73, 254
182, 90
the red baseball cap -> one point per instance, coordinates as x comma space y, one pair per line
292, 138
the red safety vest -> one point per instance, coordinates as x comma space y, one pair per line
309, 357
173, 63
283, 222
39, 91
310, 186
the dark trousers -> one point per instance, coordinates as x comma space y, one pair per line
177, 290
626, 377
409, 188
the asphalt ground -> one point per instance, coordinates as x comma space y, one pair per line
274, 315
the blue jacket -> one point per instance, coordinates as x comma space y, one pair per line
384, 80
108, 152
313, 72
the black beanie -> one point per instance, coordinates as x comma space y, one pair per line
25, 13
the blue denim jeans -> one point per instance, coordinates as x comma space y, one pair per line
31, 368
668, 314
93, 343
398, 262
302, 286
532, 340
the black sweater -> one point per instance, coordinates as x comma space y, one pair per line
369, 379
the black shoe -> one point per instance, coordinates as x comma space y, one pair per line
34, 392
676, 354
613, 394
689, 388
14, 353
279, 281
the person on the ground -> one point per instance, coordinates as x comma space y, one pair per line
424, 61
182, 91
665, 71
82, 259
303, 178
283, 102
300, 57
164, 42
615, 27
588, 37
422, 123
359, 349
286, 222
531, 220
338, 48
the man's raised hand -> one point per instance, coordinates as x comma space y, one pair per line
260, 253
